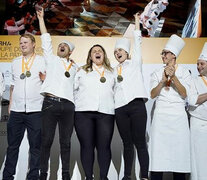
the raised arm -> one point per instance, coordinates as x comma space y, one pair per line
137, 56
40, 16
45, 37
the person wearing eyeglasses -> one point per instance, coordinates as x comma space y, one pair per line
198, 122
169, 146
58, 106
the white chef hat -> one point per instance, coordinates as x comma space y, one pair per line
175, 45
203, 55
123, 43
71, 45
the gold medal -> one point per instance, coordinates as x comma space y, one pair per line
22, 76
28, 73
119, 71
103, 79
67, 74
119, 78
27, 67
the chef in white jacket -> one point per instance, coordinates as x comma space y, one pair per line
130, 96
2, 88
198, 121
169, 147
94, 106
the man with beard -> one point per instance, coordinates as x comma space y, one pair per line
58, 106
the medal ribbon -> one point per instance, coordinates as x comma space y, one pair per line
169, 81
119, 70
25, 64
101, 74
67, 68
205, 82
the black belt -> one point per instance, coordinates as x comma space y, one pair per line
58, 99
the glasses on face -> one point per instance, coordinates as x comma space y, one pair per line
164, 53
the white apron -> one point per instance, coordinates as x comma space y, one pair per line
169, 146
198, 149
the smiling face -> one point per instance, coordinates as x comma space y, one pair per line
168, 57
63, 50
97, 55
120, 54
27, 46
202, 67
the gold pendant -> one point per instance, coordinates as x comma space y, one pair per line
119, 78
22, 76
103, 79
67, 74
28, 73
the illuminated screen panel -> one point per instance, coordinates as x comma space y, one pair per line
192, 24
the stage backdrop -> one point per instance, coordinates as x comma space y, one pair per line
151, 49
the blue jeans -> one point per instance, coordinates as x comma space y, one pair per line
18, 122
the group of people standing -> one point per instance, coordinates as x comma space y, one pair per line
91, 98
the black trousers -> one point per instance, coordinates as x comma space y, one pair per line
18, 122
159, 175
95, 130
61, 113
131, 121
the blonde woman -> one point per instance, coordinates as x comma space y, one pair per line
94, 106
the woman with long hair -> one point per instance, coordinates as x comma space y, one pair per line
94, 118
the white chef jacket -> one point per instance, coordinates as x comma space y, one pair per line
198, 127
169, 146
132, 85
171, 96
56, 83
93, 95
26, 93
197, 87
